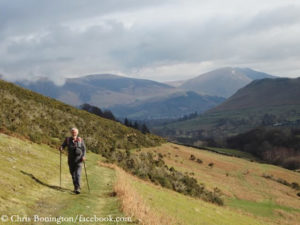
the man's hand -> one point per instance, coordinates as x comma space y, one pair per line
83, 159
60, 148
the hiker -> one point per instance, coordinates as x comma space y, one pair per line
76, 155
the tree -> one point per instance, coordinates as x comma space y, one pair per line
109, 115
126, 122
145, 129
136, 125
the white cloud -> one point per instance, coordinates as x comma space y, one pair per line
161, 40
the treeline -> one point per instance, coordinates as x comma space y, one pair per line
109, 115
273, 145
188, 116
137, 125
97, 111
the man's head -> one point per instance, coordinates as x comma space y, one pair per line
74, 132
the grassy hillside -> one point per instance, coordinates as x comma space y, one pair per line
264, 93
250, 197
154, 205
45, 120
30, 184
267, 102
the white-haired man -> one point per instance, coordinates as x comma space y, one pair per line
76, 155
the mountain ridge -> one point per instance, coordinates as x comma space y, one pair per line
264, 92
223, 81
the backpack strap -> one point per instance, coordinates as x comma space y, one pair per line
78, 138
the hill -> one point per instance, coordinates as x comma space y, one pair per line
266, 102
251, 197
171, 106
102, 90
137, 99
30, 186
223, 82
264, 93
45, 120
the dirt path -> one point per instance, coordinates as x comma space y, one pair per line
100, 204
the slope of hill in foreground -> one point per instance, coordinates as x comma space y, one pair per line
30, 185
246, 187
33, 189
223, 82
45, 120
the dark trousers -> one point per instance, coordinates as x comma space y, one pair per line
75, 170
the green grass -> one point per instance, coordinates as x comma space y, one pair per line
232, 152
245, 191
45, 120
225, 123
263, 208
188, 210
30, 184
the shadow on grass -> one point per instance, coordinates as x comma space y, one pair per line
46, 185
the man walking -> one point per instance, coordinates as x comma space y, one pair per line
76, 155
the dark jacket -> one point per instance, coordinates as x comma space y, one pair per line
76, 149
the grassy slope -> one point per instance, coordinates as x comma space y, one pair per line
231, 152
30, 178
249, 198
175, 208
45, 120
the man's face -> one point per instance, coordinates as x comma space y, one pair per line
74, 133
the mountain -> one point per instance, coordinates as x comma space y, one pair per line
45, 120
264, 93
266, 102
126, 97
175, 83
103, 90
172, 106
146, 99
223, 82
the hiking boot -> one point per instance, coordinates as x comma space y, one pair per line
77, 190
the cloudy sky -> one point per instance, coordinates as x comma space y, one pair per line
159, 39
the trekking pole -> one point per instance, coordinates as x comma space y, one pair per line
60, 169
87, 181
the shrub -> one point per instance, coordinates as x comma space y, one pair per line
192, 157
199, 161
295, 186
